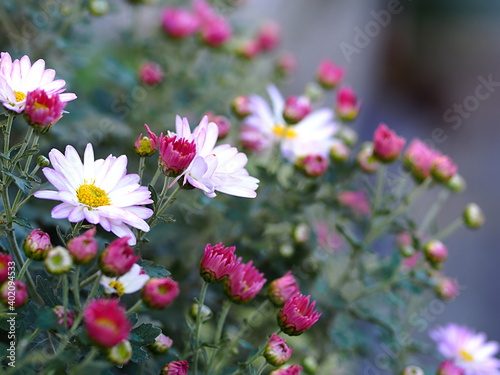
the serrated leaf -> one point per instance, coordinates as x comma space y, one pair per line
46, 291
154, 195
153, 270
21, 183
145, 334
138, 354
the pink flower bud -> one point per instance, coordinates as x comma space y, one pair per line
277, 352
347, 107
150, 73
268, 36
297, 315
282, 289
366, 161
413, 370
244, 282
118, 258
42, 111
70, 316
106, 323
83, 248
419, 158
449, 368
159, 292
286, 64
5, 262
339, 151
387, 146
435, 252
217, 262
248, 49
296, 108
179, 23
175, 368
146, 146
162, 344
216, 32
357, 201
447, 289
175, 154
443, 168
37, 245
291, 370
241, 106
222, 123
14, 288
329, 75
313, 165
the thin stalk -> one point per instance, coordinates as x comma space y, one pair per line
434, 210
89, 279
134, 308
88, 359
33, 144
142, 165
452, 227
65, 298
261, 368
26, 140
197, 327
75, 289
226, 306
24, 269
382, 170
155, 177
6, 133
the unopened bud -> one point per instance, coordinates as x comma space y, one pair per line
206, 312
120, 354
456, 184
296, 108
340, 151
447, 289
313, 91
286, 250
348, 135
241, 106
435, 252
366, 161
58, 261
310, 365
301, 233
98, 7
162, 344
413, 370
42, 161
37, 244
473, 216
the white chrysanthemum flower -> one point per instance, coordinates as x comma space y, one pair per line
128, 283
467, 349
99, 191
312, 135
19, 77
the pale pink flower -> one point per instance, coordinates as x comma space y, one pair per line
467, 349
99, 191
19, 77
419, 158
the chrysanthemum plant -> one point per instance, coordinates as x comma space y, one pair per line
303, 230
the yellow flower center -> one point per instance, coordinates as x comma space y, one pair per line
92, 196
120, 290
20, 96
284, 131
145, 147
40, 106
466, 356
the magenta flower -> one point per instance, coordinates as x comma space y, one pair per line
150, 73
268, 36
160, 292
282, 289
297, 315
329, 75
435, 252
83, 248
117, 258
70, 316
387, 146
42, 111
249, 49
347, 107
313, 165
296, 108
217, 262
292, 370
216, 32
277, 352
449, 368
176, 154
175, 368
20, 293
37, 244
467, 349
443, 168
5, 262
419, 158
244, 282
147, 145
357, 201
106, 322
179, 23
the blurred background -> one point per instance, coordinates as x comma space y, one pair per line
420, 71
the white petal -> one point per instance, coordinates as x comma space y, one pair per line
92, 216
62, 211
88, 164
47, 194
277, 101
116, 172
76, 214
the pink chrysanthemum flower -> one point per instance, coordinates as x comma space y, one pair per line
106, 322
467, 349
99, 191
217, 262
244, 282
329, 75
297, 315
5, 262
387, 146
176, 154
179, 23
175, 368
419, 158
19, 77
42, 111
277, 352
282, 289
117, 258
291, 370
160, 292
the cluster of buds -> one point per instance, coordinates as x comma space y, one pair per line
267, 39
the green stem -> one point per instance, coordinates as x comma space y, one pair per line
26, 140
88, 359
434, 210
452, 227
76, 229
89, 297
6, 133
226, 306
24, 269
142, 165
65, 299
379, 189
261, 368
156, 176
75, 289
197, 327
89, 279
134, 308
33, 144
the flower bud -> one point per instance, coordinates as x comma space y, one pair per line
435, 252
329, 75
297, 315
222, 123
70, 316
301, 233
313, 165
58, 261
241, 106
456, 184
268, 36
159, 292
473, 216
387, 146
310, 365
339, 151
217, 262
449, 368
347, 107
249, 49
175, 368
348, 135
290, 370
216, 32
179, 23
277, 352
98, 7
282, 289
117, 258
366, 161
5, 262
313, 92
120, 354
18, 288
146, 146
176, 154
42, 110
443, 168
244, 282
37, 244
286, 64
296, 108
42, 161
413, 370
162, 344
150, 73
83, 248
286, 250
447, 289
205, 312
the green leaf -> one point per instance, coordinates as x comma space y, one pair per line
153, 270
46, 319
145, 334
22, 222
46, 291
21, 183
138, 353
